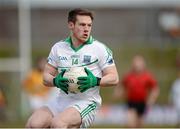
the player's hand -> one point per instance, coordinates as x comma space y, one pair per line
60, 82
88, 82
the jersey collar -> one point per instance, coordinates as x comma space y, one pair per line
69, 40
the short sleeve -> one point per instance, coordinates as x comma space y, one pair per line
53, 58
152, 81
106, 58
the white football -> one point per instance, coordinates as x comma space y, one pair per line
72, 74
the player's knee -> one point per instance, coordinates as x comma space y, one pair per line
34, 124
59, 124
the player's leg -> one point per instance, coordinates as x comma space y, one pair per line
80, 114
69, 118
141, 108
177, 109
140, 121
41, 118
132, 118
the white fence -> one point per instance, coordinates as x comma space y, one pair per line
157, 115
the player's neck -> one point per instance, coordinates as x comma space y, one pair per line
138, 71
75, 42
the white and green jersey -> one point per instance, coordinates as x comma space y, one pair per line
92, 54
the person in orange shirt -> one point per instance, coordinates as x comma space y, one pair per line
3, 104
2, 99
38, 94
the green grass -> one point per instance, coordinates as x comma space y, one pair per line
14, 124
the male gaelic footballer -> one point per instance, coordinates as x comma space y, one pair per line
80, 49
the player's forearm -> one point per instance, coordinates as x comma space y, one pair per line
153, 96
48, 75
48, 80
109, 80
119, 92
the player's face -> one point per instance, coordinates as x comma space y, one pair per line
138, 64
81, 29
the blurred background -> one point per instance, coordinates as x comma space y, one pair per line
28, 29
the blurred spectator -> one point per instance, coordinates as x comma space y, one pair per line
3, 103
140, 90
178, 61
37, 93
170, 22
175, 96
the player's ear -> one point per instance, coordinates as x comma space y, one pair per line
70, 25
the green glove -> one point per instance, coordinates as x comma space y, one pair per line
60, 82
88, 82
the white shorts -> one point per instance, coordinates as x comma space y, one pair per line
39, 101
36, 102
87, 109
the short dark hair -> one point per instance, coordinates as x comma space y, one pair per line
78, 11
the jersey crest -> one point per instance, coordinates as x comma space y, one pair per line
87, 59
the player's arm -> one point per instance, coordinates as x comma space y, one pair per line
49, 74
110, 77
109, 72
154, 91
51, 78
119, 92
153, 96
